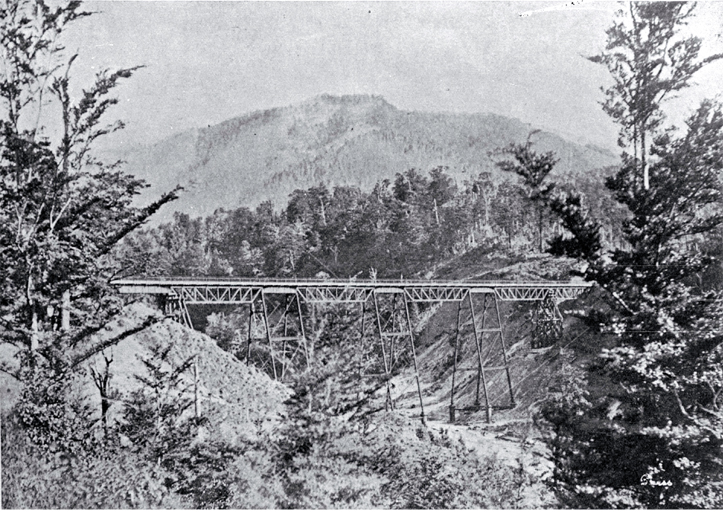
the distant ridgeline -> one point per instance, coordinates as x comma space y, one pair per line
349, 140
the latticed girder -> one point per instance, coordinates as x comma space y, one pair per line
333, 295
524, 292
245, 291
436, 294
217, 294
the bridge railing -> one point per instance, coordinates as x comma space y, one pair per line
225, 281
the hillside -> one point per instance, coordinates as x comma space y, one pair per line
531, 370
236, 398
348, 140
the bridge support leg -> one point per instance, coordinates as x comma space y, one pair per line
414, 359
252, 314
176, 307
265, 312
302, 332
284, 342
389, 404
481, 378
362, 345
393, 339
485, 334
186, 315
452, 417
504, 354
285, 332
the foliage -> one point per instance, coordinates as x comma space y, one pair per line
155, 409
328, 462
199, 465
228, 329
562, 418
403, 227
433, 471
587, 242
649, 61
533, 168
660, 445
53, 414
110, 478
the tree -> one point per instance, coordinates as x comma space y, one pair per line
649, 61
533, 168
509, 209
441, 189
62, 210
655, 440
586, 243
485, 188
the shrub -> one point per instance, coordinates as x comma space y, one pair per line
33, 477
53, 413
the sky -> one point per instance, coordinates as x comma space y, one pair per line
208, 61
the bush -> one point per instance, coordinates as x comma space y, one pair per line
327, 462
33, 477
52, 412
434, 471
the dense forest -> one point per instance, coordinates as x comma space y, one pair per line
118, 406
404, 227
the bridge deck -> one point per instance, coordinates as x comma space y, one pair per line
244, 290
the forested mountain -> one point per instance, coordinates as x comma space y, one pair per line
348, 140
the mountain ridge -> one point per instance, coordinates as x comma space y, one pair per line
354, 140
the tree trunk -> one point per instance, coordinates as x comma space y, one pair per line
102, 383
539, 225
34, 328
643, 160
196, 396
65, 312
323, 212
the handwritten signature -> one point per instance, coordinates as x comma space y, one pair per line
647, 479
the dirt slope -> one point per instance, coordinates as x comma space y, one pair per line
238, 400
530, 370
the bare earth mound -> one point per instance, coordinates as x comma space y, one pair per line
238, 400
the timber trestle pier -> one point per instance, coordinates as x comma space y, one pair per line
275, 309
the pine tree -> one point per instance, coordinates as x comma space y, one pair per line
533, 168
656, 439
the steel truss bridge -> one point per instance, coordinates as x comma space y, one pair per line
276, 305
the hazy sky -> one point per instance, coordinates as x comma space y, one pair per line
210, 61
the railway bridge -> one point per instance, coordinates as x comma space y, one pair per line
276, 304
